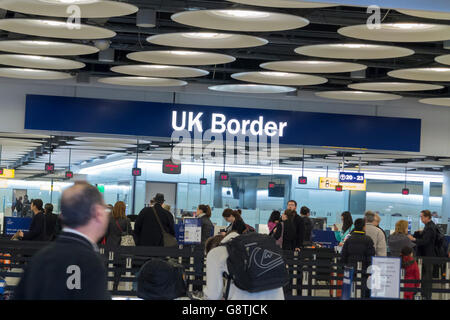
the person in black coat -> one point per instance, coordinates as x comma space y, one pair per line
204, 213
299, 225
51, 222
147, 230
70, 268
37, 230
236, 223
304, 214
288, 229
119, 225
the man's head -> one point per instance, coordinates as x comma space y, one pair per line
48, 208
159, 198
292, 205
36, 205
425, 216
304, 211
377, 220
369, 216
360, 225
83, 209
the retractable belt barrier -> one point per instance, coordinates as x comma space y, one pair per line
314, 273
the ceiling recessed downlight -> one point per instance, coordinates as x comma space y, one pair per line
60, 8
357, 95
422, 74
399, 32
354, 51
240, 20
160, 71
427, 14
445, 102
181, 57
51, 48
284, 3
33, 74
39, 62
210, 40
251, 88
143, 81
305, 66
444, 59
279, 78
54, 29
394, 86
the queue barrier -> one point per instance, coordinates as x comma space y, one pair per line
313, 273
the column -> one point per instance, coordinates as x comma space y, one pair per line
445, 212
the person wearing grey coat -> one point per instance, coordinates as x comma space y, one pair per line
397, 242
375, 234
204, 214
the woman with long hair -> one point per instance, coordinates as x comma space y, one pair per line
274, 219
399, 239
347, 227
286, 231
204, 214
119, 225
236, 223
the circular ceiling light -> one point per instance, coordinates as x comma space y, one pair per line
445, 102
279, 78
427, 14
39, 62
354, 51
357, 95
143, 82
444, 59
181, 57
394, 86
399, 32
422, 74
240, 20
313, 66
54, 29
51, 48
210, 40
33, 74
251, 88
154, 70
284, 3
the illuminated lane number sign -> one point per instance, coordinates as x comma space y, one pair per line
351, 177
224, 176
302, 180
136, 172
50, 167
203, 181
69, 174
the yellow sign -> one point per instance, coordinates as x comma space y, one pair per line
8, 174
331, 183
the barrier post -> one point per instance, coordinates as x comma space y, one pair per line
447, 277
110, 273
128, 284
402, 284
294, 272
313, 276
334, 274
359, 280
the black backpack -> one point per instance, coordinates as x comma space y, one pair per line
255, 263
440, 244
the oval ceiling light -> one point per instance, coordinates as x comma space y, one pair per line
285, 3
61, 8
240, 20
422, 74
50, 48
181, 57
353, 51
357, 95
426, 14
251, 88
54, 29
399, 32
394, 86
154, 70
33, 74
313, 66
444, 59
207, 40
279, 78
39, 62
142, 82
445, 102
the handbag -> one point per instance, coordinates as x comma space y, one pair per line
126, 240
168, 239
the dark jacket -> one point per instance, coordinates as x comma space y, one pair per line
307, 222
358, 247
115, 230
147, 230
37, 228
425, 240
397, 242
51, 225
237, 225
50, 271
289, 234
300, 229
207, 228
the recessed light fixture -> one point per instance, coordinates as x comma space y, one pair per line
394, 86
52, 48
279, 78
427, 14
444, 59
251, 88
357, 95
284, 3
307, 66
206, 35
160, 71
39, 62
33, 74
251, 14
444, 102
143, 82
422, 74
180, 57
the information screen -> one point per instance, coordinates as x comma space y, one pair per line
170, 167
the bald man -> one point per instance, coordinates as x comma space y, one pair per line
71, 268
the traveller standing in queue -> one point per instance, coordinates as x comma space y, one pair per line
70, 268
37, 231
378, 237
409, 264
304, 214
377, 223
204, 214
347, 228
399, 239
275, 218
52, 223
119, 225
299, 225
286, 230
235, 221
147, 229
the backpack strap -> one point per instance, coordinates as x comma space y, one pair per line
227, 289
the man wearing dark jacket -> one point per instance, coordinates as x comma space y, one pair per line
304, 213
71, 268
147, 230
51, 222
299, 225
37, 230
425, 246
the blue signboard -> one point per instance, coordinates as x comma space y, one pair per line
136, 118
188, 231
13, 224
352, 177
347, 283
326, 238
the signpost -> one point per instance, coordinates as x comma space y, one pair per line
351, 177
385, 278
331, 183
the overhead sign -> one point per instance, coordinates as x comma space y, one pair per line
351, 177
170, 167
162, 119
8, 174
385, 277
331, 183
